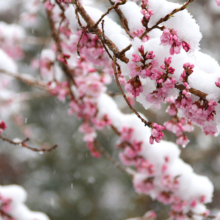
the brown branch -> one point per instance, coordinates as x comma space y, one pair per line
56, 38
78, 19
104, 40
98, 32
123, 19
106, 13
33, 40
24, 144
115, 130
81, 36
126, 49
5, 214
26, 80
146, 123
193, 91
165, 18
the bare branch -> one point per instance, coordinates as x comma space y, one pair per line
24, 144
26, 79
110, 158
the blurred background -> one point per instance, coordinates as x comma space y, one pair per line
68, 183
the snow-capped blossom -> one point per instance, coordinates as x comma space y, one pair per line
63, 57
178, 205
165, 197
164, 83
142, 63
218, 2
138, 33
178, 126
188, 70
147, 14
218, 83
126, 134
155, 98
143, 183
134, 86
169, 182
100, 123
156, 133
144, 3
169, 37
90, 85
91, 49
130, 154
144, 166
185, 46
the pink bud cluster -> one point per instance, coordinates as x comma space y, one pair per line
90, 49
147, 14
3, 126
130, 156
156, 133
143, 65
169, 37
178, 127
59, 89
164, 83
138, 33
134, 86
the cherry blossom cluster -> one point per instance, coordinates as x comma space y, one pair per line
160, 172
76, 68
170, 37
164, 82
147, 13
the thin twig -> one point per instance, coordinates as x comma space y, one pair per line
146, 123
98, 32
106, 13
103, 40
123, 19
78, 19
81, 36
24, 144
165, 18
110, 158
27, 80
